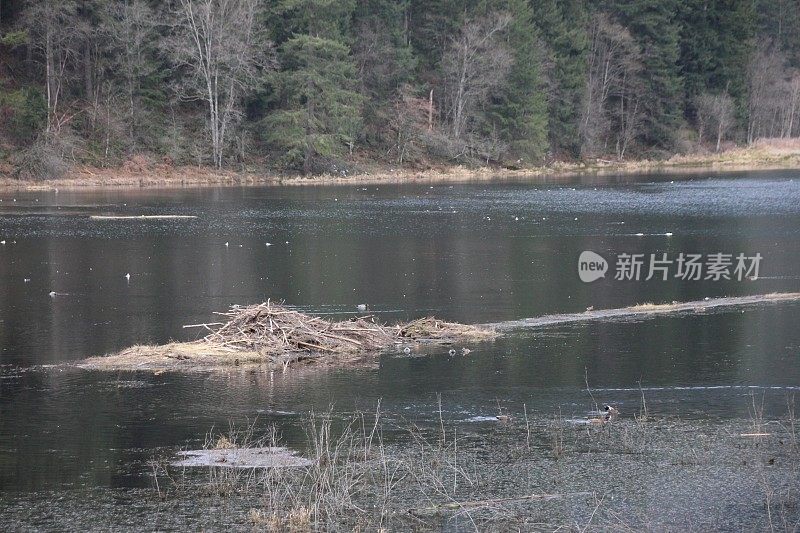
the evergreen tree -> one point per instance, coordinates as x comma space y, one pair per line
385, 61
654, 24
319, 112
563, 24
779, 21
520, 110
716, 45
432, 24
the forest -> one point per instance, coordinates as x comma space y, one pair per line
331, 86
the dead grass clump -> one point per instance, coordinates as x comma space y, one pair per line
137, 164
433, 330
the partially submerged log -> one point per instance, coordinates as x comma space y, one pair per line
275, 335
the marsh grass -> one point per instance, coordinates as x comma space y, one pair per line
438, 476
556, 433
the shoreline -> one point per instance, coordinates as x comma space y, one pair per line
159, 176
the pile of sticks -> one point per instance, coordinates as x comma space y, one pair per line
274, 334
274, 329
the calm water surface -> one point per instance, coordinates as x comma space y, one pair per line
471, 252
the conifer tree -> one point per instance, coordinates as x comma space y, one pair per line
563, 27
654, 24
520, 108
320, 111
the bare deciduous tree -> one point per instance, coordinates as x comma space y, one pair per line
613, 88
793, 102
410, 122
221, 48
476, 63
715, 111
130, 31
770, 104
55, 32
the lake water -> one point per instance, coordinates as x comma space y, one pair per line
469, 252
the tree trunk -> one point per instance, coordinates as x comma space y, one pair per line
87, 70
48, 60
307, 148
430, 111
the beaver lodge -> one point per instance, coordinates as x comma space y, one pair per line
275, 335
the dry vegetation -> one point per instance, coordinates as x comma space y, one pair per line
277, 336
543, 473
140, 172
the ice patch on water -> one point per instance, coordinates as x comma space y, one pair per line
274, 457
481, 419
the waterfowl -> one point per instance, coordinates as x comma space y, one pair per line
609, 414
